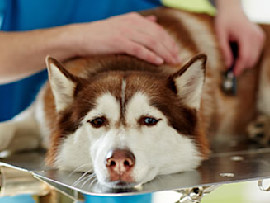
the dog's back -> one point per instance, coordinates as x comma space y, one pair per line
224, 116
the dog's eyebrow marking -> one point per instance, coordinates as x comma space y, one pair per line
123, 98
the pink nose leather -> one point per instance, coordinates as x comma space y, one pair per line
120, 163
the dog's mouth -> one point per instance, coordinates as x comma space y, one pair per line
123, 184
118, 187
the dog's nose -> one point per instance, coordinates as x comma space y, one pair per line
120, 163
122, 159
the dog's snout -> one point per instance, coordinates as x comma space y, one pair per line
120, 163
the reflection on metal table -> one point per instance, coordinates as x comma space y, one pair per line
224, 166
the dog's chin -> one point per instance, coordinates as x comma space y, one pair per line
116, 187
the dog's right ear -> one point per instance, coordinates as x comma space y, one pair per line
62, 83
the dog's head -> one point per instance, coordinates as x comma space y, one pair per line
127, 126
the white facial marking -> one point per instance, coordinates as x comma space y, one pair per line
74, 154
106, 105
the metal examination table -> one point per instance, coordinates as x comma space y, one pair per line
26, 173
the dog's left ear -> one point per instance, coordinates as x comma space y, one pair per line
189, 80
62, 83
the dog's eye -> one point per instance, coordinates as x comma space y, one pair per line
147, 120
98, 122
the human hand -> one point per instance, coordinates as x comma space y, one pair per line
130, 34
231, 24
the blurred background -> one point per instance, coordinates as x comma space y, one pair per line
257, 10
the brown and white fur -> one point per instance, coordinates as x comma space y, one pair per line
129, 121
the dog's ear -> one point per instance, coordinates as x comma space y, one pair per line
187, 83
62, 83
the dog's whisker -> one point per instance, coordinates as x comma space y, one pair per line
87, 177
75, 170
81, 178
90, 178
94, 180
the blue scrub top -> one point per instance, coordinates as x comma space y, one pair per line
31, 14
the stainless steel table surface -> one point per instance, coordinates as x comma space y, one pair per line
240, 162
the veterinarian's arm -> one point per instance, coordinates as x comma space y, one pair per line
23, 53
233, 25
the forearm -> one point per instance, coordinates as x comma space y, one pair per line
23, 53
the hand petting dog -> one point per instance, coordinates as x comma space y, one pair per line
130, 34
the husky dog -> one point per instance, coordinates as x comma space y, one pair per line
130, 121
